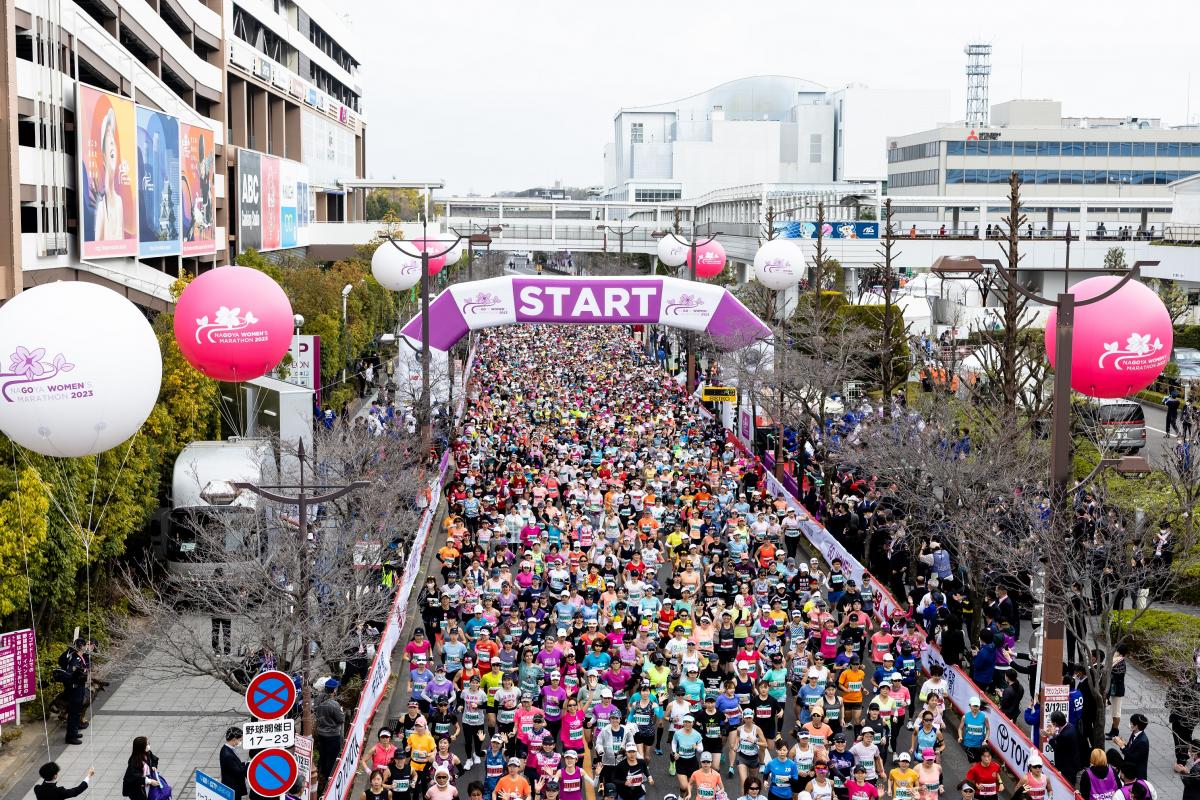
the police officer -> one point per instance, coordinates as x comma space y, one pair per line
78, 666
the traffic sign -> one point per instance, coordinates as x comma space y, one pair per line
270, 695
272, 733
209, 788
724, 394
272, 772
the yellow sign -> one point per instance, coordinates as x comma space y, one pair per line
719, 394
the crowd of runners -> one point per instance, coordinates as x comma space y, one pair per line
615, 592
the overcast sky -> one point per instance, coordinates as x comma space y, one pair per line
506, 95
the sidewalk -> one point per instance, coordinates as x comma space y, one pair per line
183, 717
1145, 693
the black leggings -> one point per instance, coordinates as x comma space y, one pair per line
475, 747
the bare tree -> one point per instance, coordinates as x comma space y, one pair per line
893, 370
1006, 343
248, 566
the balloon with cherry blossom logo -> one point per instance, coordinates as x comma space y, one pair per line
1120, 343
81, 369
671, 251
394, 268
415, 247
710, 259
233, 323
778, 264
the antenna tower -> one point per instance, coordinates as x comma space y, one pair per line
979, 67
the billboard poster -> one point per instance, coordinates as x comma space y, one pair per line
197, 162
158, 183
302, 209
270, 202
250, 223
107, 148
288, 173
831, 230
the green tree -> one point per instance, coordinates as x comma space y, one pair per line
1173, 297
1114, 261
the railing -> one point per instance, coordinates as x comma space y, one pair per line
1180, 234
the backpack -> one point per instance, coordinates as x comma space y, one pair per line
62, 674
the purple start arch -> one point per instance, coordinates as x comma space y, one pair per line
512, 300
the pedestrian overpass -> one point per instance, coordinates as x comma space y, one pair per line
737, 215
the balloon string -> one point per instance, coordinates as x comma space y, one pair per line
113, 485
29, 592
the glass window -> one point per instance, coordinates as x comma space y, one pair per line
1168, 149
1140, 176
636, 132
1072, 176
1187, 173
1122, 149
1072, 148
1095, 148
954, 175
1047, 148
1002, 148
1143, 149
1189, 149
975, 148
814, 148
1047, 176
954, 148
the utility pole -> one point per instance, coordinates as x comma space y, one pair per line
302, 501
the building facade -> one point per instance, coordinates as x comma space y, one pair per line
761, 129
125, 124
1055, 156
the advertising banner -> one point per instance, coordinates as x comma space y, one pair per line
250, 222
197, 162
302, 208
288, 174
107, 184
24, 647
270, 202
158, 183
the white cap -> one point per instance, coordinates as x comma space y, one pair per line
867, 729
903, 756
896, 676
1035, 760
606, 692
974, 701
743, 665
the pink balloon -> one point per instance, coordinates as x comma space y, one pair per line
233, 323
1121, 343
710, 259
428, 246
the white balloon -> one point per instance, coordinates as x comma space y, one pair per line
82, 370
671, 251
779, 264
395, 269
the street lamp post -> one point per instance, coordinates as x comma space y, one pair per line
349, 287
620, 233
424, 410
1050, 664
693, 244
302, 501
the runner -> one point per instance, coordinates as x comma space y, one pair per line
623, 577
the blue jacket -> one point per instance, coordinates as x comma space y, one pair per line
983, 666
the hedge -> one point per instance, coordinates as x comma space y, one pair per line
1160, 637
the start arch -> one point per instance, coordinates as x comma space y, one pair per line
514, 300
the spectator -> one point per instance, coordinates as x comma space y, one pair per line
1135, 752
1066, 745
233, 769
141, 771
1188, 772
49, 789
330, 725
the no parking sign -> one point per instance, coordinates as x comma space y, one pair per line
270, 695
272, 772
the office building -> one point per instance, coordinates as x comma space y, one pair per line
1117, 158
125, 125
761, 129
